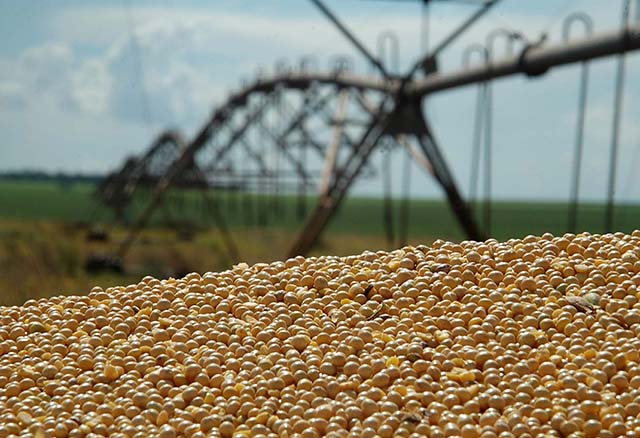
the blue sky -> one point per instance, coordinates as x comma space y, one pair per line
70, 99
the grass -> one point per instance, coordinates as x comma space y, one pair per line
44, 227
39, 201
45, 201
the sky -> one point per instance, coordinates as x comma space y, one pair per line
73, 96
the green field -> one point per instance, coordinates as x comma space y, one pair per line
44, 228
35, 201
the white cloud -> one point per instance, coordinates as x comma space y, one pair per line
12, 95
47, 66
38, 72
91, 87
188, 56
108, 84
186, 60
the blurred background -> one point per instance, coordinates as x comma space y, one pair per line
165, 137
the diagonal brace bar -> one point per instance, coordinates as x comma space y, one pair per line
452, 36
344, 178
238, 133
332, 151
445, 178
280, 142
351, 37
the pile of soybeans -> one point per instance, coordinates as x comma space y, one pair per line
536, 337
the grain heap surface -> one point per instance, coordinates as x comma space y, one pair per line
527, 338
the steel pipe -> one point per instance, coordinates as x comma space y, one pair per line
532, 61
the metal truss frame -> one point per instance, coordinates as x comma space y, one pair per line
398, 115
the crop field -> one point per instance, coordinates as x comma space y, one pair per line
44, 228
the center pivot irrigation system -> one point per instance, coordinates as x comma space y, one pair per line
263, 139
